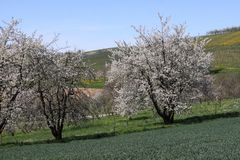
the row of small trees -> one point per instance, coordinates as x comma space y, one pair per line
165, 69
222, 31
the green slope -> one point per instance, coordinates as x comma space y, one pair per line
229, 40
225, 47
98, 58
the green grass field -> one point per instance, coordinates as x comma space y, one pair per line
217, 139
116, 125
97, 83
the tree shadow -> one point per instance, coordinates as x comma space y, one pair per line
199, 119
215, 70
64, 140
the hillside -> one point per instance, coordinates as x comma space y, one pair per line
225, 67
98, 58
231, 39
226, 49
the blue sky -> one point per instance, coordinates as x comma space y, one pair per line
94, 24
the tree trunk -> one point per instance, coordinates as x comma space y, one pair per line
59, 136
168, 117
56, 132
2, 125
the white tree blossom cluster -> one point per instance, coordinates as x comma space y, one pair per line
166, 68
36, 79
14, 73
55, 77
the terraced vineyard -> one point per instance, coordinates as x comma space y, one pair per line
218, 139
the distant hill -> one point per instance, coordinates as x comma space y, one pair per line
225, 68
229, 40
98, 58
226, 49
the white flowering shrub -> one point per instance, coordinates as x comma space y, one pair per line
166, 68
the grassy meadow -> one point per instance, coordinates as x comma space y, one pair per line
117, 125
218, 139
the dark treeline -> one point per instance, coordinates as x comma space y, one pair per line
222, 31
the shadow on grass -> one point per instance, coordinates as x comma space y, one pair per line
190, 120
199, 119
216, 70
64, 140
